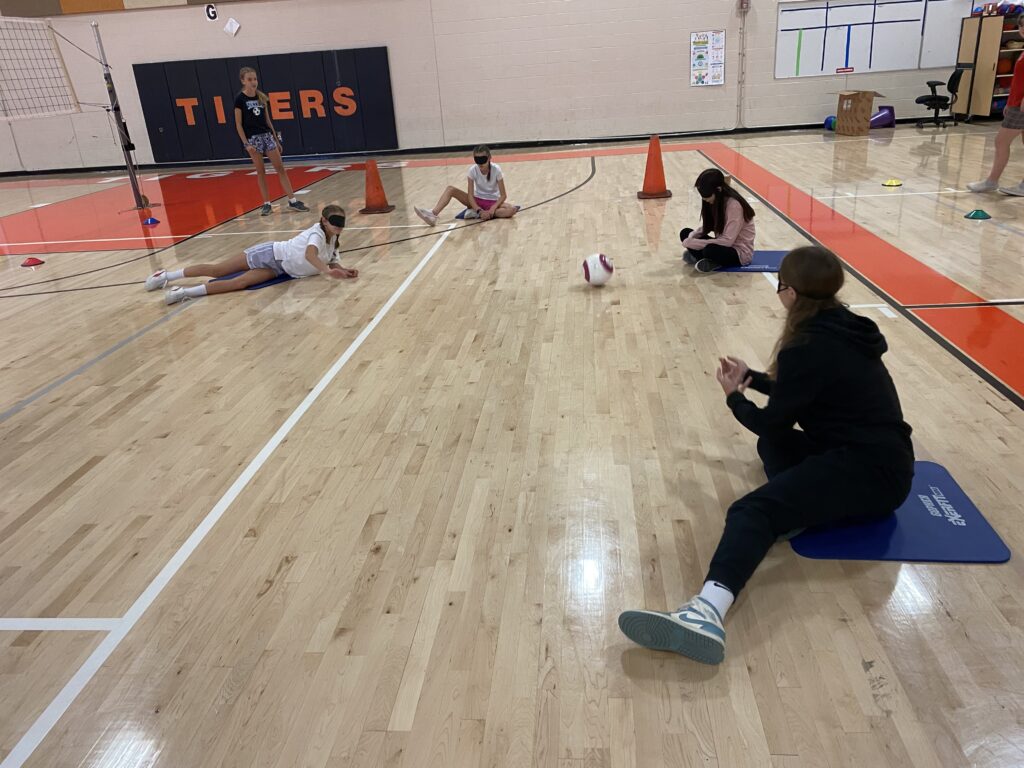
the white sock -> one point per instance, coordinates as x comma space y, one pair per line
195, 291
718, 595
293, 199
174, 274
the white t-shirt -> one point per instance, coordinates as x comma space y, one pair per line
484, 188
292, 253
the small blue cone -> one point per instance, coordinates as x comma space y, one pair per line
150, 222
978, 214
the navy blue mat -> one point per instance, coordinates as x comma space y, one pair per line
937, 523
274, 281
763, 261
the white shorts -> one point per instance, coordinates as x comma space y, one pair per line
262, 257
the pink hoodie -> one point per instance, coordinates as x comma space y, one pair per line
737, 233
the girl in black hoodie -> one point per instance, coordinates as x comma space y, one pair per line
851, 460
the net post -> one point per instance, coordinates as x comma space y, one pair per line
122, 128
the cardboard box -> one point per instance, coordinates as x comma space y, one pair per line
853, 113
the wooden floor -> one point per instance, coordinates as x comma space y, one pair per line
428, 568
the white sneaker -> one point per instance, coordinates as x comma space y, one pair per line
695, 630
428, 216
176, 294
157, 280
982, 186
471, 214
1017, 190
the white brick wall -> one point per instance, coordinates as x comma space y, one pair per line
465, 71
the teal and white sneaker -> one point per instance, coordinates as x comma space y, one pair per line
695, 630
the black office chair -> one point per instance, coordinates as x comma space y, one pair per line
937, 103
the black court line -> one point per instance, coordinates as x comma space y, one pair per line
137, 258
905, 311
593, 172
46, 389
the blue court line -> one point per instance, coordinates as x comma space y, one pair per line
22, 404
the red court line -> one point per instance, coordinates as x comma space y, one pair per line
990, 336
896, 272
184, 207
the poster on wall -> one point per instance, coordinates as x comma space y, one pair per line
707, 58
320, 102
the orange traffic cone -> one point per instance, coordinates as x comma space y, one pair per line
376, 200
654, 178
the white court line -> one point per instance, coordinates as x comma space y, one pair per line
887, 312
98, 240
839, 141
182, 237
293, 231
28, 743
58, 625
868, 306
771, 279
855, 195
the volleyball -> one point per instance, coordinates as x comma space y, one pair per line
597, 269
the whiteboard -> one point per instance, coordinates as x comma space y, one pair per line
829, 37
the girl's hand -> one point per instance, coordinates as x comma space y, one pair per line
735, 361
342, 273
485, 215
251, 150
732, 377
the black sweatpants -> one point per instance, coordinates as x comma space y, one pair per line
722, 255
805, 489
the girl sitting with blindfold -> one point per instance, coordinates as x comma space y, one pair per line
313, 251
485, 196
725, 237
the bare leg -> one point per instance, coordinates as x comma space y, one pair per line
446, 197
261, 176
275, 158
226, 267
1004, 140
243, 281
506, 211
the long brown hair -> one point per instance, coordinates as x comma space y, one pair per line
816, 275
264, 99
712, 215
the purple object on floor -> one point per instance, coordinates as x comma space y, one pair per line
885, 117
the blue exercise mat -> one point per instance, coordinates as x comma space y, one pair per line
763, 261
273, 281
937, 523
